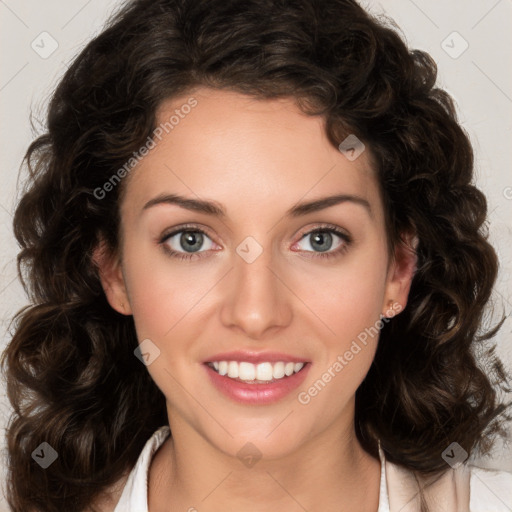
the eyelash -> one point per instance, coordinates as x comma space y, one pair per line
194, 229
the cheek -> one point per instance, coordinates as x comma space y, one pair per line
350, 302
347, 299
350, 305
163, 292
356, 303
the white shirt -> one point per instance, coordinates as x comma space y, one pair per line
464, 489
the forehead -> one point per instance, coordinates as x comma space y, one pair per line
243, 151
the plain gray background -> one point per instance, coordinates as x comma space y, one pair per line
470, 40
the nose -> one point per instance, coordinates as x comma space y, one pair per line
256, 301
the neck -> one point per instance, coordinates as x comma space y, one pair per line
331, 472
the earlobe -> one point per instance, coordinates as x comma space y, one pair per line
112, 279
401, 273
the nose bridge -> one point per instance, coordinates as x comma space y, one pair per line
256, 299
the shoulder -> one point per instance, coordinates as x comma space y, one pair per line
131, 489
490, 490
108, 499
135, 490
465, 487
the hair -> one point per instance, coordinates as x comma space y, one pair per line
72, 377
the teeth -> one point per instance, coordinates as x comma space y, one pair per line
233, 369
264, 371
278, 370
223, 367
246, 371
261, 372
288, 369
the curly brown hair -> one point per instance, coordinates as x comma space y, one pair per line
73, 380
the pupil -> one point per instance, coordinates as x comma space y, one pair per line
194, 239
322, 241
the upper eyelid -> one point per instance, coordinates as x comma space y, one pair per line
325, 227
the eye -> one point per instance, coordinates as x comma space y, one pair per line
185, 243
327, 241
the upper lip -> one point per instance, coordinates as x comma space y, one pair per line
255, 357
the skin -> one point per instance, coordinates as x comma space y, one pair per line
256, 158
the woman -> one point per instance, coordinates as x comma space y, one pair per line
258, 269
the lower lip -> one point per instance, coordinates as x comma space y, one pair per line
257, 393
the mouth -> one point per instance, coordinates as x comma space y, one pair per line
259, 383
261, 373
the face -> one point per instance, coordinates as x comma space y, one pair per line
230, 253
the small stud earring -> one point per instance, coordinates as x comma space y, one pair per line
390, 312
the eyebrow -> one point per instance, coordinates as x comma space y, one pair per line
215, 209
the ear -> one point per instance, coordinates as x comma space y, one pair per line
111, 277
400, 274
